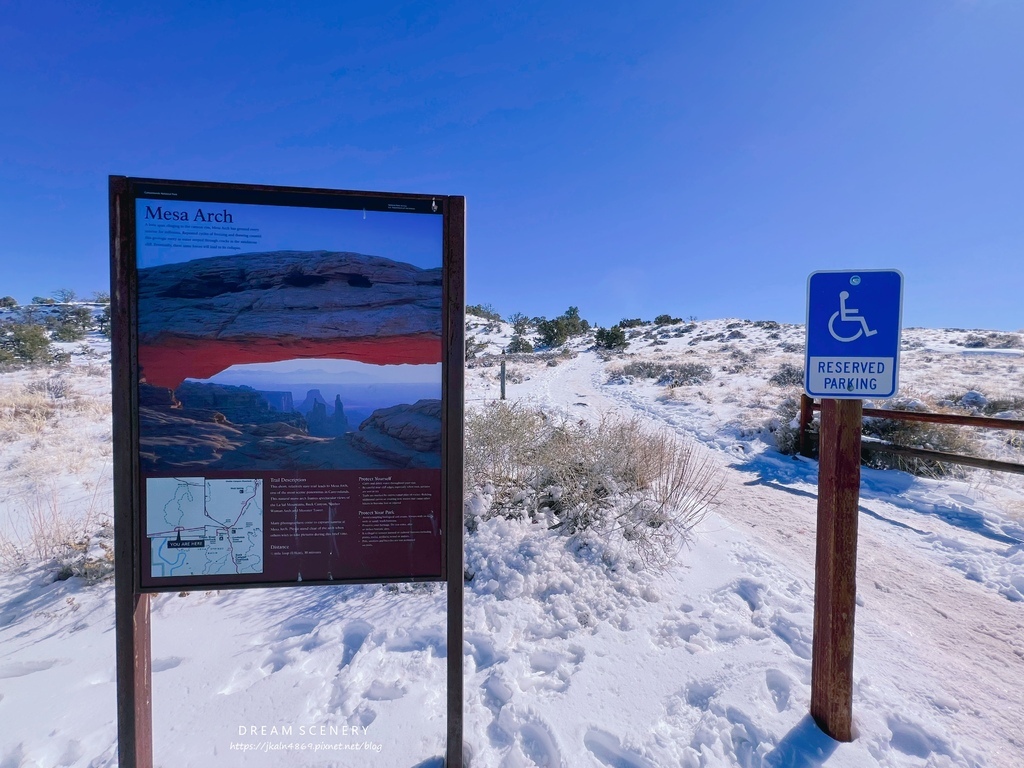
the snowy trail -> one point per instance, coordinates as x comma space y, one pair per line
963, 638
573, 655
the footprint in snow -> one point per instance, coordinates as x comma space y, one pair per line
295, 628
607, 749
539, 745
419, 639
552, 670
483, 652
379, 691
22, 668
352, 641
496, 693
792, 635
911, 739
277, 660
699, 695
779, 686
162, 665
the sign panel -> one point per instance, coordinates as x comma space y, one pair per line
853, 333
290, 400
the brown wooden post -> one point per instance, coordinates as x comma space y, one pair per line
134, 682
453, 448
131, 609
806, 415
835, 574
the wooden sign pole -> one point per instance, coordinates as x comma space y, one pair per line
131, 608
454, 442
835, 580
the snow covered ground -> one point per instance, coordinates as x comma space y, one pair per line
573, 656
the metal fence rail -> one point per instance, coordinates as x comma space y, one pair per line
808, 406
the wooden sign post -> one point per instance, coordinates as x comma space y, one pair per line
853, 351
835, 579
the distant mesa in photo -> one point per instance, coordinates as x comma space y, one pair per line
203, 425
200, 317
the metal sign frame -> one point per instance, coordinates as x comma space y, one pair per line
132, 590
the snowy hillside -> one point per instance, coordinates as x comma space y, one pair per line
576, 654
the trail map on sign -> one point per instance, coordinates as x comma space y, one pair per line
197, 526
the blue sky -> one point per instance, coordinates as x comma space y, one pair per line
696, 158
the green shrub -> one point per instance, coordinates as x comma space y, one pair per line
520, 323
667, 320
70, 323
43, 300
485, 311
556, 332
519, 344
631, 322
103, 321
613, 338
24, 344
8, 302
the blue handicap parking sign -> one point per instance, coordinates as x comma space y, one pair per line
853, 333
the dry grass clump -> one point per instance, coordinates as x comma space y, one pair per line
23, 412
42, 527
36, 407
614, 477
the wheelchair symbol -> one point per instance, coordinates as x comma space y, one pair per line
848, 315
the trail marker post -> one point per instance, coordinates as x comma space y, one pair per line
853, 339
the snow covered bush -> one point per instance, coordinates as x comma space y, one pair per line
788, 375
785, 424
474, 347
615, 477
644, 369
686, 374
993, 340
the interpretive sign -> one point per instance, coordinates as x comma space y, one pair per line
288, 404
853, 333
